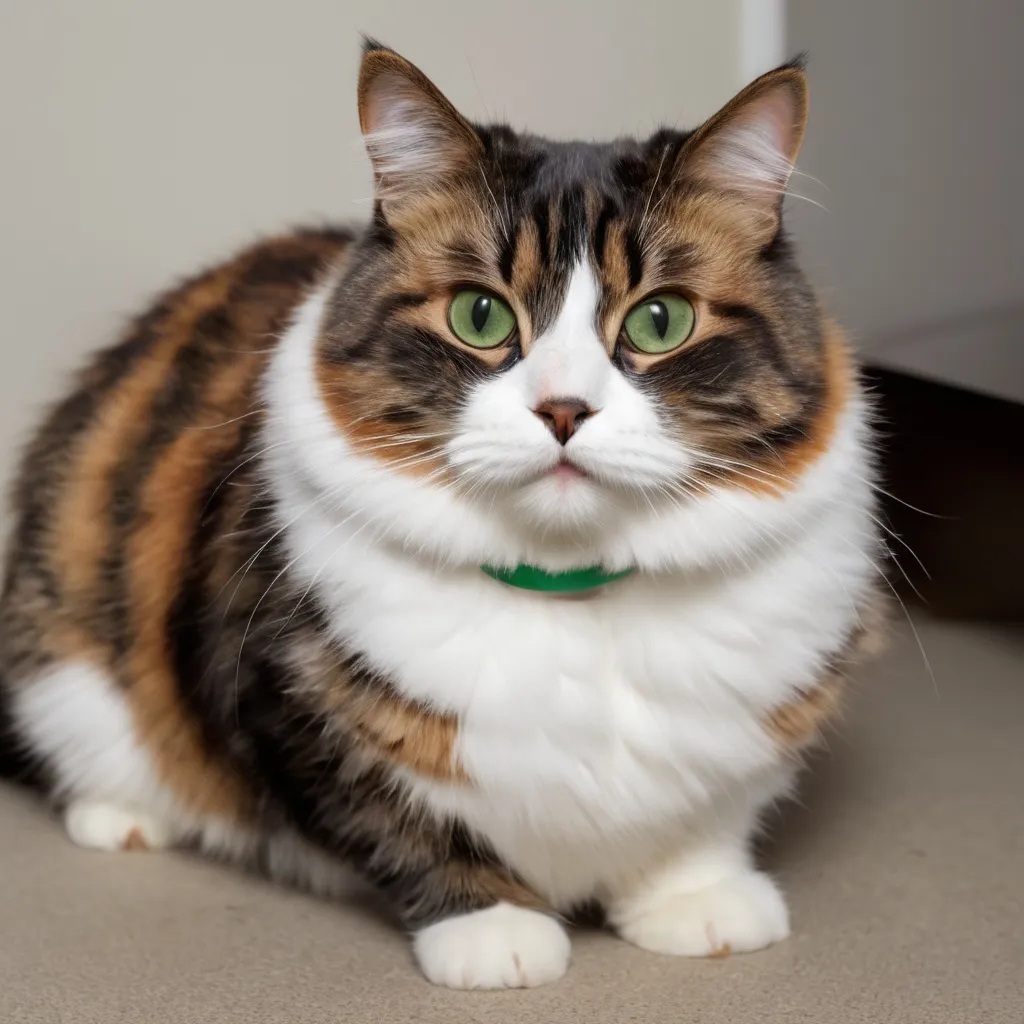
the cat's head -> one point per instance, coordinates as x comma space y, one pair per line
547, 350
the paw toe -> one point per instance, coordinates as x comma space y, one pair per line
102, 826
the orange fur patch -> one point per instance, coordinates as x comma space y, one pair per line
414, 737
157, 551
799, 722
343, 390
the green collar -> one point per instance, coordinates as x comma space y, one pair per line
529, 577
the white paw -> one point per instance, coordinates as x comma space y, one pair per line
743, 912
103, 826
503, 946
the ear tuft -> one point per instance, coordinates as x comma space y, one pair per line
413, 135
370, 44
797, 63
751, 145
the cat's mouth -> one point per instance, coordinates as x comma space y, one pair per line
565, 471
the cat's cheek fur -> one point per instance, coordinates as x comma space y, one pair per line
308, 457
503, 946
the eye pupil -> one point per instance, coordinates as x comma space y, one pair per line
659, 317
481, 311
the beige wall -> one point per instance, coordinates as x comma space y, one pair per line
917, 130
143, 136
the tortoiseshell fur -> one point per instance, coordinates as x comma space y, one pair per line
160, 566
146, 539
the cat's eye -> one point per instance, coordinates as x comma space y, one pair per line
660, 324
480, 319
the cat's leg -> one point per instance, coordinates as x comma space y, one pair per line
75, 718
707, 900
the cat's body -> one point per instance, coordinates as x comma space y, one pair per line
244, 605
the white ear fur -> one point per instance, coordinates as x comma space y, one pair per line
412, 133
405, 137
751, 152
751, 146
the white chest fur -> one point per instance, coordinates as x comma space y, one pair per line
594, 729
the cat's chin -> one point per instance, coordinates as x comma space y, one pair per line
562, 499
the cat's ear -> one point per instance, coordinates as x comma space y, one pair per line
414, 136
750, 146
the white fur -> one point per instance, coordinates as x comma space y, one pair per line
748, 157
75, 715
604, 736
739, 914
106, 826
405, 139
501, 947
751, 152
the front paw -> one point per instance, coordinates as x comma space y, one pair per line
738, 914
503, 946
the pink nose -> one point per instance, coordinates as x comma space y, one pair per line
563, 416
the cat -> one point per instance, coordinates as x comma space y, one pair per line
509, 550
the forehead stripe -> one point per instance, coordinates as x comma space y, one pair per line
634, 257
572, 227
508, 253
543, 221
608, 212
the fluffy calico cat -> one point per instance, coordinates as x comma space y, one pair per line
508, 551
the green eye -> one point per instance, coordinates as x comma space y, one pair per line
660, 324
480, 319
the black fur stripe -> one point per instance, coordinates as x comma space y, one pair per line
571, 227
634, 257
17, 762
542, 220
398, 301
716, 366
678, 262
766, 341
609, 211
508, 253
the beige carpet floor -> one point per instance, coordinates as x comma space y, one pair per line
904, 864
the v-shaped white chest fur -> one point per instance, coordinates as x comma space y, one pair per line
590, 726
